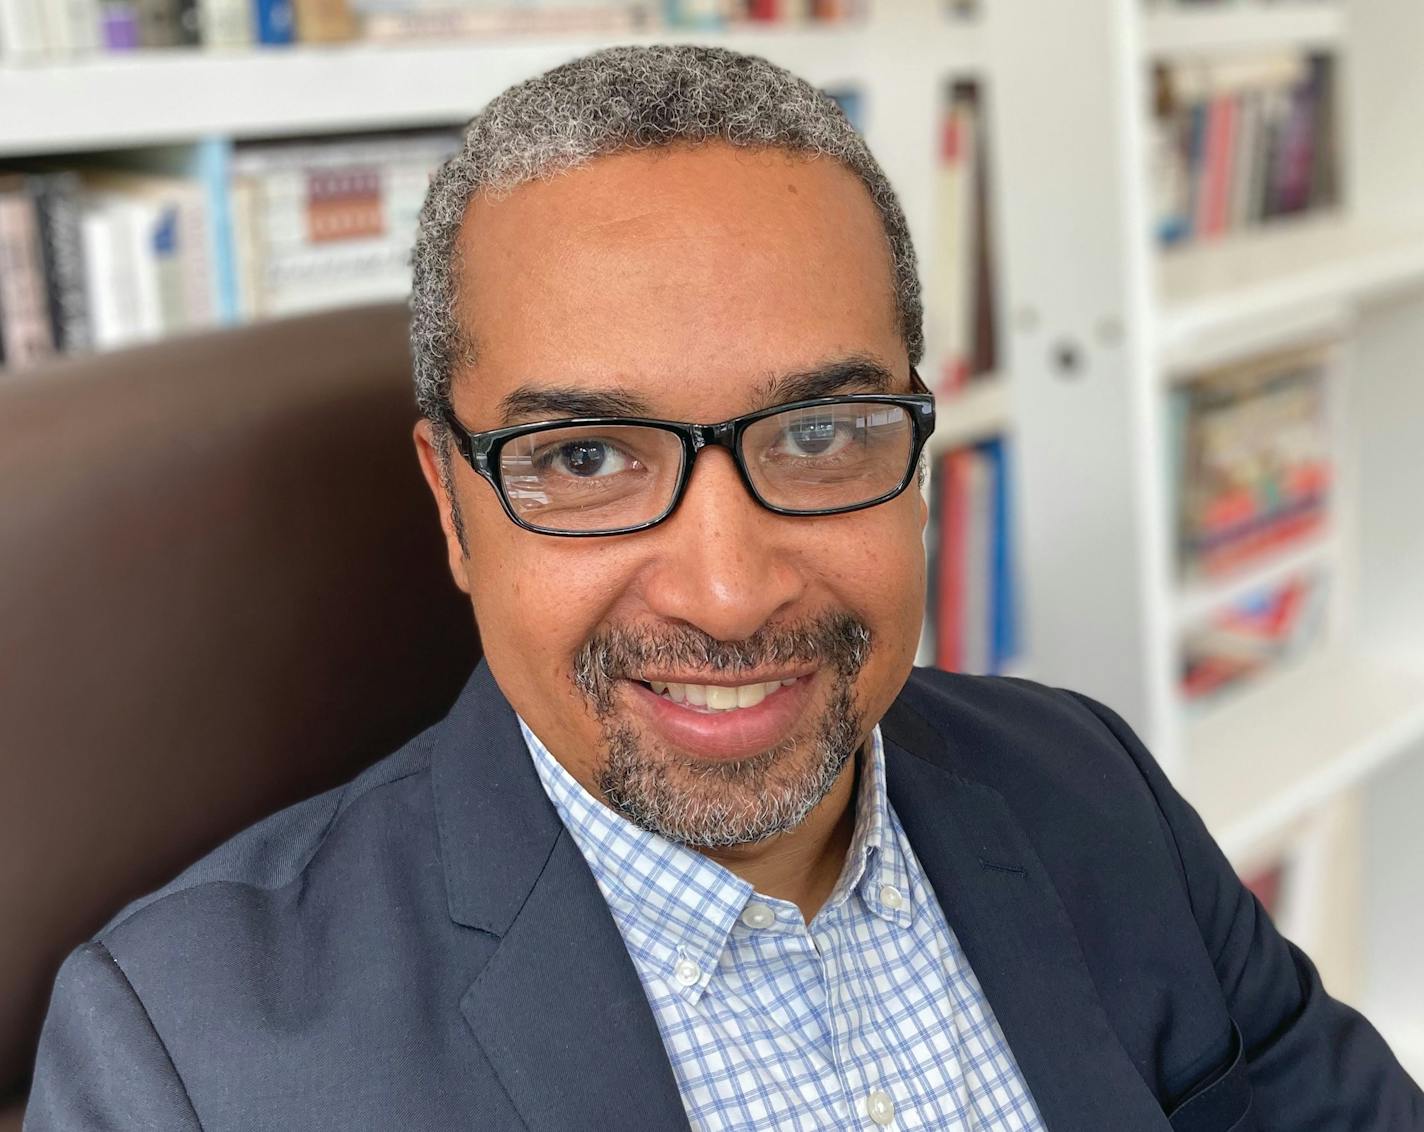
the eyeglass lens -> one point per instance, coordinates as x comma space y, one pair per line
611, 477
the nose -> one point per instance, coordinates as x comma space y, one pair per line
724, 564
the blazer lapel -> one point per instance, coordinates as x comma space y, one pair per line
1006, 914
558, 1009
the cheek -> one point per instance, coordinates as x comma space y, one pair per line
537, 599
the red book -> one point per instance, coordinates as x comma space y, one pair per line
1220, 146
949, 585
762, 10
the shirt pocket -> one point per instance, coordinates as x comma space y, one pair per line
1221, 1101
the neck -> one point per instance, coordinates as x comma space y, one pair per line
803, 864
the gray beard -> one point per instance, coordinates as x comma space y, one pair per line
715, 805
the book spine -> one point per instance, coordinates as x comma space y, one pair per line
26, 327
977, 610
84, 33
57, 202
225, 23
950, 582
119, 25
324, 21
24, 35
158, 23
190, 23
1004, 600
276, 23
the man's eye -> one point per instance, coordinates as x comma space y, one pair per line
584, 459
815, 437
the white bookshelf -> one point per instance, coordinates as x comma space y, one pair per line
1094, 443
1311, 24
1080, 279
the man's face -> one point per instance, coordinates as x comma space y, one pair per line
688, 279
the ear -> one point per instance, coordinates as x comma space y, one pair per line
429, 458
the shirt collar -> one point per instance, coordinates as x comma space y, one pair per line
676, 908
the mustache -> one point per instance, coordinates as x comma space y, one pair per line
837, 640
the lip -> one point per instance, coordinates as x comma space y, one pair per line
727, 735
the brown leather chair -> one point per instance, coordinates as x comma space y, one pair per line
222, 589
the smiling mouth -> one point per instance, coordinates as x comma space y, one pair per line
717, 697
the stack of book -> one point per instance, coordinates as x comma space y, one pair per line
41, 30
961, 319
327, 223
1253, 636
1239, 142
972, 607
1252, 461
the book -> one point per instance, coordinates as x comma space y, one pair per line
275, 22
58, 204
226, 23
24, 306
24, 30
119, 25
950, 577
324, 21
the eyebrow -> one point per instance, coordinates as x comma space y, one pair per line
544, 402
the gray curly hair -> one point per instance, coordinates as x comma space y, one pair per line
617, 99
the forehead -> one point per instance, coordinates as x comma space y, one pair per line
689, 274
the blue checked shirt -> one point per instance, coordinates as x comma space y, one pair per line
869, 1017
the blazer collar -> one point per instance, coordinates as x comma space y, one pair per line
561, 1015
1001, 905
557, 1009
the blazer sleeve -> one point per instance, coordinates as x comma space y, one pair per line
102, 1066
1313, 1061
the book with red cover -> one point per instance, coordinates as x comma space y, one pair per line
950, 580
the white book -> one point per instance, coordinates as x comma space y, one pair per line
24, 31
225, 24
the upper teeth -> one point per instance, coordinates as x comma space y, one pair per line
718, 697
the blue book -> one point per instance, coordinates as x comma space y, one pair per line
1003, 631
276, 21
210, 163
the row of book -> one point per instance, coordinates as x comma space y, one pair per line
122, 249
1253, 636
972, 606
1239, 142
107, 255
1252, 461
43, 30
961, 319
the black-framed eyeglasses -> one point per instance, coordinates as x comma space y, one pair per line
614, 475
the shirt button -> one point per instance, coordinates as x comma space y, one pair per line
880, 1108
892, 897
758, 915
686, 972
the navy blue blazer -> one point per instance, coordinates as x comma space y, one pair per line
425, 948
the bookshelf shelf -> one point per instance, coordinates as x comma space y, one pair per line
1292, 272
980, 411
1282, 748
351, 87
1244, 28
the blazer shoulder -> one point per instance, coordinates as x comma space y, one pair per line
1059, 758
275, 851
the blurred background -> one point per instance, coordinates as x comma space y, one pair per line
1173, 261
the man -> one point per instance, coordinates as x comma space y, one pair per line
695, 847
